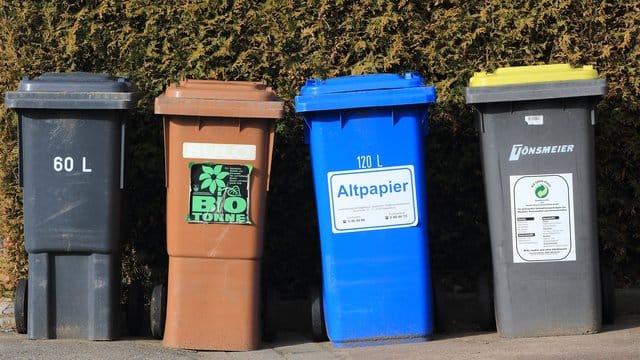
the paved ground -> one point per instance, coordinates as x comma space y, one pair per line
619, 341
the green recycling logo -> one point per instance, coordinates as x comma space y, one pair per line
212, 178
541, 190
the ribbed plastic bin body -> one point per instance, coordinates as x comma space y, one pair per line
366, 142
536, 132
216, 131
72, 153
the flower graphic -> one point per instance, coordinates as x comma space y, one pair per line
212, 178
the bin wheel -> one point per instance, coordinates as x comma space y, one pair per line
318, 328
608, 295
20, 306
487, 317
439, 308
135, 308
158, 310
270, 299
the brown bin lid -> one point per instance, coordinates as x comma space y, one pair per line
242, 99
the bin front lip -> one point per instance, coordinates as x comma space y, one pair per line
422, 95
536, 91
69, 100
169, 105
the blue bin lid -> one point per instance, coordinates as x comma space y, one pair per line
72, 90
361, 91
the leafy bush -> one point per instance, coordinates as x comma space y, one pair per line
283, 42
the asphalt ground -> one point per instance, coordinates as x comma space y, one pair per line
461, 341
619, 341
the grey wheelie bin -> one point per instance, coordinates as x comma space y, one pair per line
71, 128
536, 132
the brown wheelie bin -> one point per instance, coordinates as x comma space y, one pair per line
218, 148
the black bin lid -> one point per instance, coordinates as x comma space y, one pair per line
72, 90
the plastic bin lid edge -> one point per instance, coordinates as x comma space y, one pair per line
71, 82
369, 82
518, 75
423, 95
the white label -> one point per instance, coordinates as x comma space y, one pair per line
534, 120
542, 222
67, 164
518, 150
372, 199
218, 151
84, 165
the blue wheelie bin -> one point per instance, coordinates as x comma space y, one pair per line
366, 142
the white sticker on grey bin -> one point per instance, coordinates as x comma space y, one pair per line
534, 119
372, 199
218, 151
542, 219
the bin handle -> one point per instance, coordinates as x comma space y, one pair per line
479, 120
307, 131
122, 149
272, 135
166, 162
425, 122
20, 170
594, 115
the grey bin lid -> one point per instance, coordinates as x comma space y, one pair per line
536, 91
72, 90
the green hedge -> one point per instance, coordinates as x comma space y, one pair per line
283, 42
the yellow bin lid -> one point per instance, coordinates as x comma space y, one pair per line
518, 75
